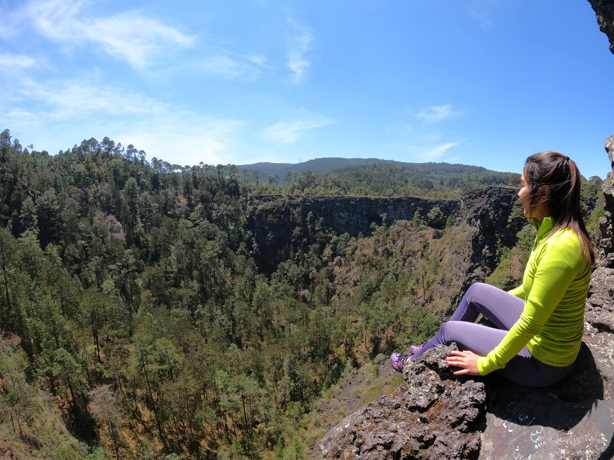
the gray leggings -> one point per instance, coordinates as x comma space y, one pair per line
503, 310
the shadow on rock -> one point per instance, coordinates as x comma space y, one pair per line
569, 417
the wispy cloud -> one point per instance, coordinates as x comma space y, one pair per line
482, 17
287, 132
57, 114
8, 60
438, 113
230, 67
79, 98
300, 42
437, 151
481, 12
130, 35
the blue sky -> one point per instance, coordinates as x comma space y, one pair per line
482, 82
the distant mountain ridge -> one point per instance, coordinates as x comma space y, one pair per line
326, 165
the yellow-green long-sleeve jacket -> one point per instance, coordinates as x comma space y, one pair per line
554, 288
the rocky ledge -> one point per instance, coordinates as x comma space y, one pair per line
430, 416
435, 415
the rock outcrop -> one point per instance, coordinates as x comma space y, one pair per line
430, 416
604, 10
435, 415
606, 223
489, 211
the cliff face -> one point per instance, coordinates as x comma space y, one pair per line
604, 10
273, 219
278, 221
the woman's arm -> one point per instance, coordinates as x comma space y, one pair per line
518, 292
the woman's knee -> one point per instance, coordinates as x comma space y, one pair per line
449, 331
474, 289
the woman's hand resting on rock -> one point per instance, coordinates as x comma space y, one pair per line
466, 360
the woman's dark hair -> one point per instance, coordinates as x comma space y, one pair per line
561, 175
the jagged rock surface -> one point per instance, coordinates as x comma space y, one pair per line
430, 416
605, 223
604, 10
435, 415
489, 210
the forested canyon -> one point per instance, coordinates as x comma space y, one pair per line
157, 311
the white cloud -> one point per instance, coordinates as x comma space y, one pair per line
299, 43
403, 129
130, 35
57, 114
184, 138
10, 20
287, 132
78, 98
437, 151
481, 12
8, 60
481, 17
258, 59
438, 113
227, 67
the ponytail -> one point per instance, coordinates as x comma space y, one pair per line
561, 175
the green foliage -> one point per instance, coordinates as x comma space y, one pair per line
592, 224
384, 179
135, 290
435, 217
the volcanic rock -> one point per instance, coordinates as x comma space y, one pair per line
430, 416
604, 10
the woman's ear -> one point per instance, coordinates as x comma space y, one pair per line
544, 193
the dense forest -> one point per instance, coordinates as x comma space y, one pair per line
439, 180
135, 323
387, 179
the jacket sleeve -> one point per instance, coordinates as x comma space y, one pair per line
518, 292
557, 266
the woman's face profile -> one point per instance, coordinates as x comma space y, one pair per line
539, 211
523, 194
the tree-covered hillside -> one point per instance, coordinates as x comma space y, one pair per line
376, 177
327, 165
132, 311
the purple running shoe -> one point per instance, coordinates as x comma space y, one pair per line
416, 348
398, 361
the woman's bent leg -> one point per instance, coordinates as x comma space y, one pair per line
468, 336
499, 307
523, 368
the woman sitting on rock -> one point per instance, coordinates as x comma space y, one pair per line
539, 325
